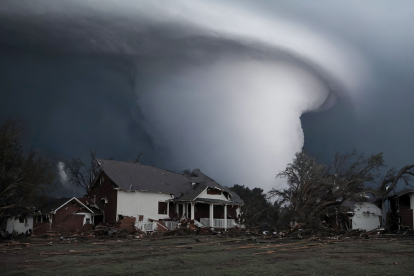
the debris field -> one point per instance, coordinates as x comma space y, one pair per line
112, 251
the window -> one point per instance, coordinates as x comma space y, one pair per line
212, 191
39, 219
45, 218
162, 208
88, 221
21, 220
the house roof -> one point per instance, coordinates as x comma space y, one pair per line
133, 176
204, 182
350, 203
217, 201
89, 203
55, 204
401, 193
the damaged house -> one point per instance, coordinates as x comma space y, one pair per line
19, 224
158, 198
401, 207
362, 214
66, 215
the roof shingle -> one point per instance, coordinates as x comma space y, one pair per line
135, 176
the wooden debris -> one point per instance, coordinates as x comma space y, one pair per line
74, 252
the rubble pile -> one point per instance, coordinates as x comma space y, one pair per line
125, 229
127, 224
299, 231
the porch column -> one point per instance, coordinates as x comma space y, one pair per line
225, 216
176, 207
185, 210
192, 210
211, 220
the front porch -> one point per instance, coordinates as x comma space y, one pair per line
219, 223
210, 213
205, 213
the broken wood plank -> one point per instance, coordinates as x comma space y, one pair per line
74, 252
243, 247
18, 244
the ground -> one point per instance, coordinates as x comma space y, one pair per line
210, 255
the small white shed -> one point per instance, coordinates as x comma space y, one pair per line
19, 225
366, 216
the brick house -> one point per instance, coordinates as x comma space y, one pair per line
401, 207
129, 189
66, 215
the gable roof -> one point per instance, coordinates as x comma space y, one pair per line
135, 176
90, 204
55, 204
132, 176
204, 182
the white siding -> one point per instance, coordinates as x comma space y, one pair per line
141, 203
412, 206
366, 216
205, 195
17, 226
412, 202
85, 216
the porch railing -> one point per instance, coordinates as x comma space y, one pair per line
170, 224
148, 226
218, 223
205, 221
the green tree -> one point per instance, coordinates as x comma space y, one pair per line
25, 179
257, 210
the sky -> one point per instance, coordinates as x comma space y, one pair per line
234, 88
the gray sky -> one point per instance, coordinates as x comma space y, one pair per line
234, 88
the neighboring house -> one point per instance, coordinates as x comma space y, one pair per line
363, 214
401, 207
20, 225
66, 215
158, 198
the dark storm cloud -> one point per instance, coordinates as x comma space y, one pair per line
202, 84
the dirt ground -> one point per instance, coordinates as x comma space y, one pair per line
210, 255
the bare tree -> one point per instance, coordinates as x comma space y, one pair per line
139, 155
81, 175
392, 178
389, 182
306, 184
316, 191
25, 179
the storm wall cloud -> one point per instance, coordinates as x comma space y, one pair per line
234, 88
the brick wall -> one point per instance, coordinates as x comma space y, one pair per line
406, 216
65, 220
105, 189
